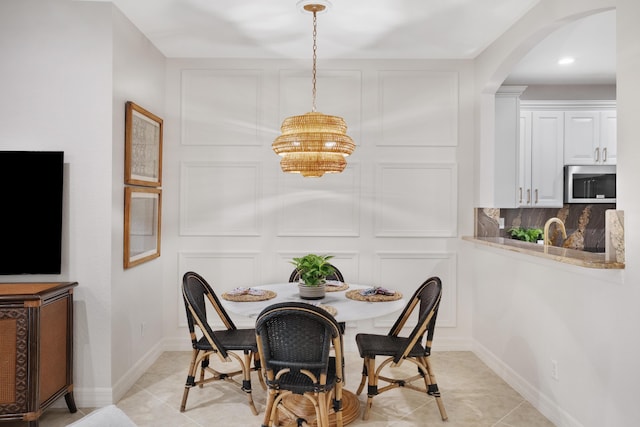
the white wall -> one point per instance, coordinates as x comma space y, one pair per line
392, 218
56, 85
530, 312
64, 85
137, 323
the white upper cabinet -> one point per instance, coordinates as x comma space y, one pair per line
590, 137
506, 149
608, 137
540, 159
534, 140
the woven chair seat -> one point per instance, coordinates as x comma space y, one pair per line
370, 345
233, 339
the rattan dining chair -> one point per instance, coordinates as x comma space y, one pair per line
295, 341
198, 295
397, 349
295, 275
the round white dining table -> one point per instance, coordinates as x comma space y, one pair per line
346, 309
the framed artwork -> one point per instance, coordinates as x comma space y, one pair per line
142, 208
143, 147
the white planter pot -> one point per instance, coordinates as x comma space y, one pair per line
311, 292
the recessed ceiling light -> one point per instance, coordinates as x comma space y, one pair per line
566, 60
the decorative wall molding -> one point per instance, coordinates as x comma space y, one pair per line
416, 200
398, 192
221, 107
405, 271
418, 108
329, 206
220, 199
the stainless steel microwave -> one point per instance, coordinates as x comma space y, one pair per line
590, 184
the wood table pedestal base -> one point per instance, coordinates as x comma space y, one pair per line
302, 406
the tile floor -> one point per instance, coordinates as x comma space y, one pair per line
472, 394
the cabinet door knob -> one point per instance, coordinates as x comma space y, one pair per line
520, 196
536, 196
597, 154
528, 196
604, 154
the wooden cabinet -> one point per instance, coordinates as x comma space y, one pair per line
540, 159
36, 348
590, 137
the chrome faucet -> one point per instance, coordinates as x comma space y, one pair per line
547, 240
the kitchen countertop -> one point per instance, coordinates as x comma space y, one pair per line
567, 256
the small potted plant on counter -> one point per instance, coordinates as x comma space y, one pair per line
525, 234
313, 270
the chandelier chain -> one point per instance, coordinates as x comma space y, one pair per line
315, 57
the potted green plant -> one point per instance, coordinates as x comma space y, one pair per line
525, 234
313, 270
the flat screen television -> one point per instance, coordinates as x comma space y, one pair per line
31, 185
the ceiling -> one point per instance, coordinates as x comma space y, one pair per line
359, 29
591, 41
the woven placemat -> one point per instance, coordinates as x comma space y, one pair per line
329, 309
356, 295
330, 288
248, 298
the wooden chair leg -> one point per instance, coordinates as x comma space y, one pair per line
337, 409
364, 376
323, 408
190, 380
271, 395
204, 364
372, 386
246, 380
257, 364
433, 389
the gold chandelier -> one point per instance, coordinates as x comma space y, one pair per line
314, 143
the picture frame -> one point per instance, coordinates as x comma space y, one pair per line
142, 220
143, 147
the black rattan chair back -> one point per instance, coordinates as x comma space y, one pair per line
295, 341
197, 293
427, 297
296, 336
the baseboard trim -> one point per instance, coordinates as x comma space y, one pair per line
88, 398
143, 364
547, 406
